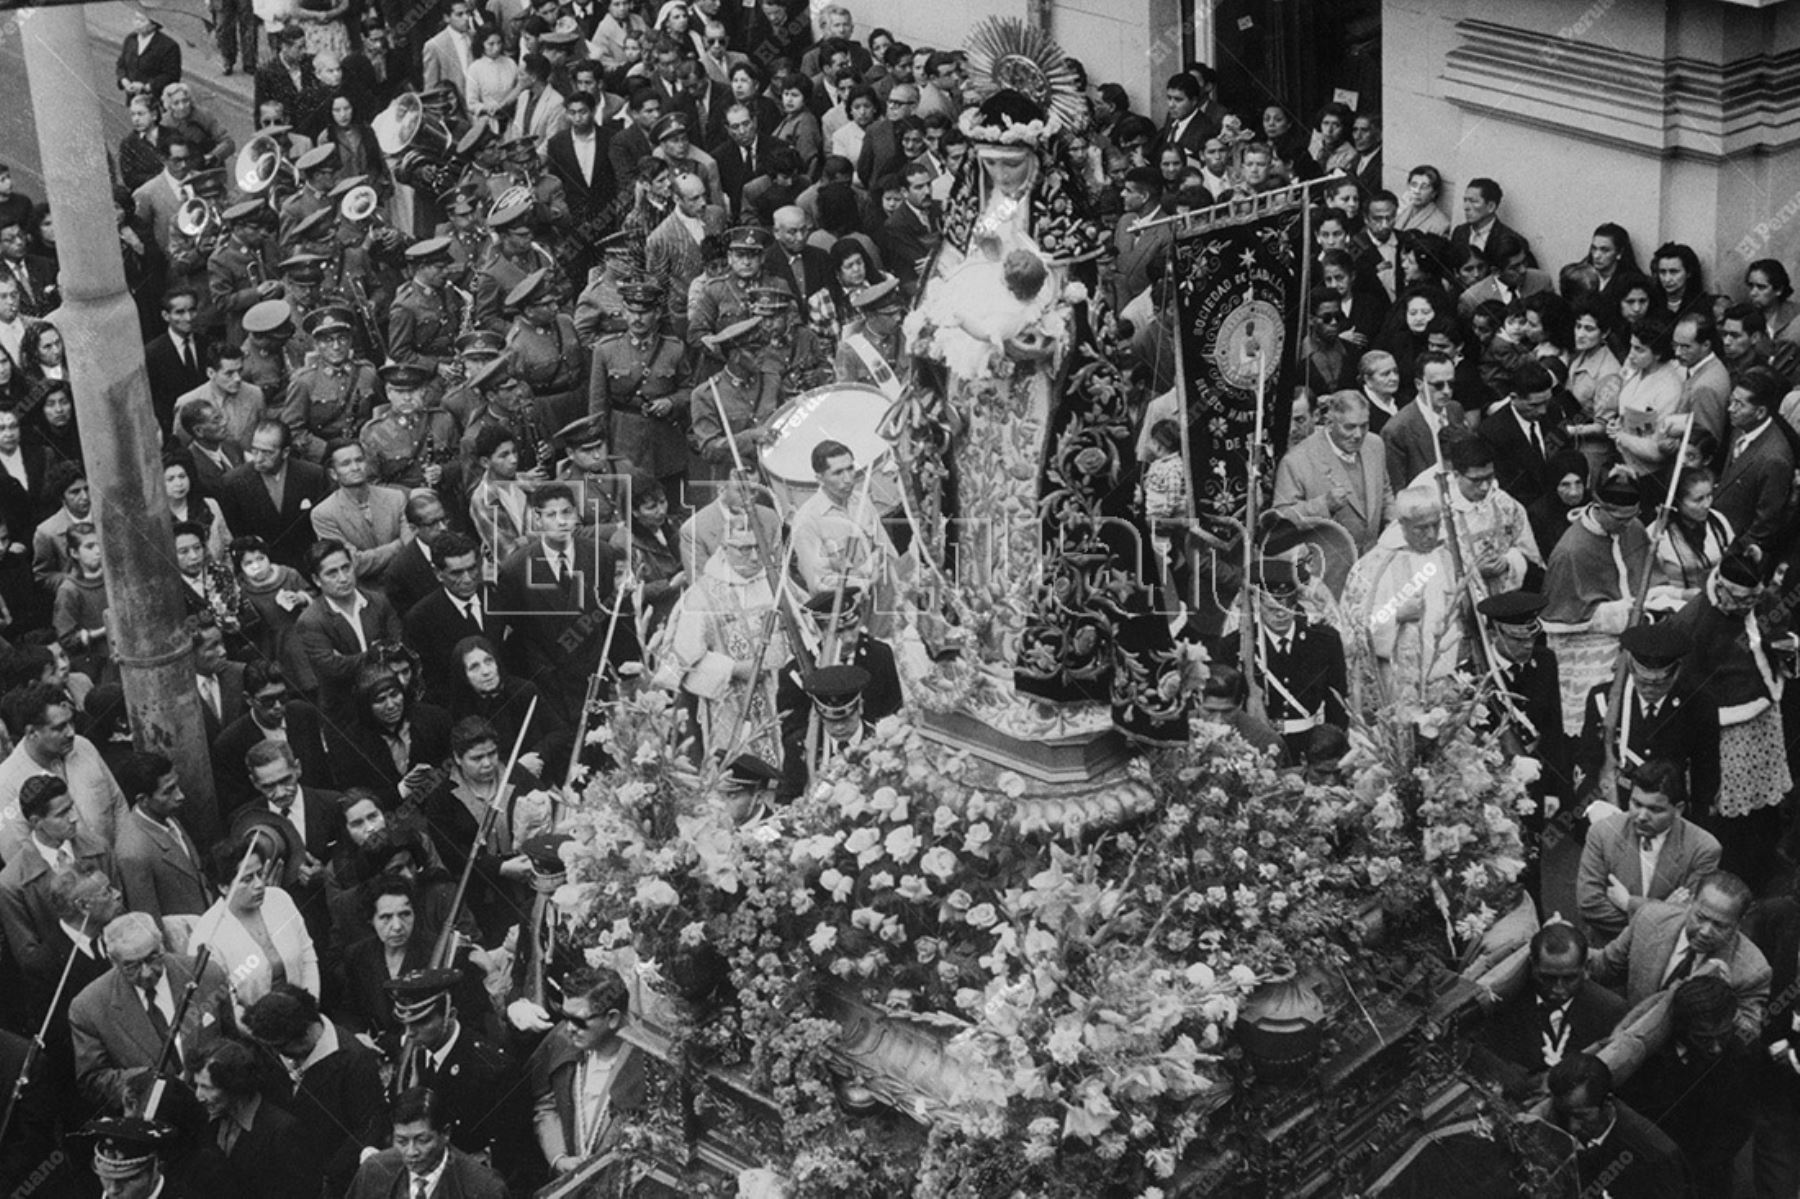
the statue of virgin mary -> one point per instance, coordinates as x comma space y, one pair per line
1036, 617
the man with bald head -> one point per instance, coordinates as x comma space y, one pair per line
120, 1020
806, 267
881, 153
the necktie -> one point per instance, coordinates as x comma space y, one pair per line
65, 858
187, 352
1646, 843
472, 611
1537, 440
1683, 968
24, 278
158, 1021
421, 1188
564, 568
209, 691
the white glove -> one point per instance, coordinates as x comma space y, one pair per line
527, 1016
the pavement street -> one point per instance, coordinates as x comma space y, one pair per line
228, 98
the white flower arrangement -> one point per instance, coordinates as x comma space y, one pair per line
1010, 132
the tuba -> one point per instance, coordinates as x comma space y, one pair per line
416, 142
259, 165
195, 218
359, 204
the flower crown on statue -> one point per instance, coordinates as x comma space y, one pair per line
1029, 88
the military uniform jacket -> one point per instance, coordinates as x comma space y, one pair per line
626, 376
1308, 668
601, 497
299, 206
271, 371
555, 364
747, 403
422, 325
475, 1081
232, 275
1535, 716
327, 402
600, 310
721, 302
800, 362
400, 450
188, 256
467, 246
497, 276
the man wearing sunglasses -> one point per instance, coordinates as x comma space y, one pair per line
584, 1074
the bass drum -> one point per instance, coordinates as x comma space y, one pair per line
848, 412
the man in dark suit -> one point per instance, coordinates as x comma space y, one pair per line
161, 867
881, 154
1188, 126
212, 452
28, 918
741, 155
338, 1095
1523, 438
39, 294
911, 232
374, 75
412, 575
1647, 853
219, 679
175, 360
1758, 480
590, 189
1411, 436
21, 500
150, 59
704, 100
457, 609
1606, 1138
315, 817
805, 267
631, 144
274, 715
1561, 1012
256, 1142
272, 495
430, 1162
1481, 219
121, 1019
289, 79
1656, 718
553, 592
337, 630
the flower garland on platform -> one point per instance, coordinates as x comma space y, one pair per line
1085, 980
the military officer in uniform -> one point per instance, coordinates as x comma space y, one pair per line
601, 479
849, 644
545, 351
793, 355
130, 1155
316, 233
600, 309
502, 398
726, 300
638, 385
270, 357
513, 255
831, 725
371, 247
474, 350
468, 239
472, 1077
549, 202
427, 314
318, 175
1299, 665
732, 407
241, 272
872, 348
303, 283
408, 442
336, 394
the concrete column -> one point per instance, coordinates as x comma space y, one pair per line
120, 441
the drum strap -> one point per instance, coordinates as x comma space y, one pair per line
877, 366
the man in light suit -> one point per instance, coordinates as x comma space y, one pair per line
368, 518
538, 112
1411, 436
447, 53
1137, 251
1663, 944
159, 863
337, 629
1758, 480
119, 1021
672, 254
1707, 392
1339, 473
158, 198
1651, 852
1512, 278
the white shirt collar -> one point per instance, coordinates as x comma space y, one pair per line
431, 1180
324, 1047
50, 853
438, 1055
83, 942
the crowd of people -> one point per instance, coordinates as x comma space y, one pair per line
461, 430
